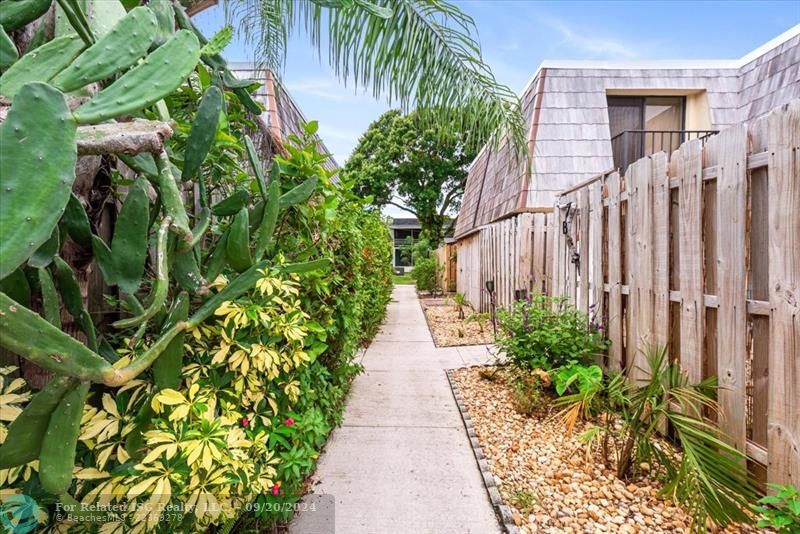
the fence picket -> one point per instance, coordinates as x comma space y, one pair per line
690, 176
614, 274
783, 426
729, 149
583, 249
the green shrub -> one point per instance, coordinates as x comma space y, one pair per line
262, 382
547, 333
782, 510
427, 271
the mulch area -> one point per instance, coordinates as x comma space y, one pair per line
545, 475
448, 330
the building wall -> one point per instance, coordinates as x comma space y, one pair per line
574, 140
565, 106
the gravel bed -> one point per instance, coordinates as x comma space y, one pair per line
545, 476
450, 331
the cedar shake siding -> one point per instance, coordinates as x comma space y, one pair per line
566, 109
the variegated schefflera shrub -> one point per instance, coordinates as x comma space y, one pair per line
241, 296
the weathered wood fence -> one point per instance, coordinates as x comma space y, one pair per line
446, 257
700, 252
515, 253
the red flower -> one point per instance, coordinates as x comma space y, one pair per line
289, 421
245, 421
276, 488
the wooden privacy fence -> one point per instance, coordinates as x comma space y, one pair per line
446, 257
701, 252
516, 253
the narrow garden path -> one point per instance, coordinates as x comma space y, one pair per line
401, 462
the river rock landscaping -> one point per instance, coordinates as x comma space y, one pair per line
545, 475
449, 330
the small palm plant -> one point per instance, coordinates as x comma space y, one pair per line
709, 478
478, 317
460, 301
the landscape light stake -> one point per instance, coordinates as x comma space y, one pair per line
490, 290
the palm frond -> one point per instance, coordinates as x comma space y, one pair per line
425, 55
712, 481
266, 23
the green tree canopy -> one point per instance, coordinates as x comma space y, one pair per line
401, 162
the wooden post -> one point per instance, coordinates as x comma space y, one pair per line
558, 252
690, 176
539, 256
729, 149
783, 432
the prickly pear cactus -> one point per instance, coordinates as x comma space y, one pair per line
15, 15
115, 51
37, 170
41, 64
147, 83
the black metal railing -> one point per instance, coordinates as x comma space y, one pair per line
631, 145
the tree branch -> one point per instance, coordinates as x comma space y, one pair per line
449, 199
409, 210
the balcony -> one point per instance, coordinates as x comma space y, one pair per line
630, 145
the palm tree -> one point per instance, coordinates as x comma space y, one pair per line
418, 53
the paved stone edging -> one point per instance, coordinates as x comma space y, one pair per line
502, 510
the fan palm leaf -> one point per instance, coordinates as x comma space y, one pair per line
418, 53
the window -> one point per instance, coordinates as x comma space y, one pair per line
644, 125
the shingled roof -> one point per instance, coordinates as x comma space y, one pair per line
282, 114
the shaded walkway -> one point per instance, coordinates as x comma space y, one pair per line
401, 462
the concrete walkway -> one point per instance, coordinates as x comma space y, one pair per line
401, 462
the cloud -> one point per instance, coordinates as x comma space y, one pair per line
328, 89
592, 44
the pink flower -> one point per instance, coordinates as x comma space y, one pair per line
289, 421
245, 421
276, 488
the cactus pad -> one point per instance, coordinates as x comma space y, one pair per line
8, 52
41, 64
147, 83
15, 15
128, 41
36, 171
204, 128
